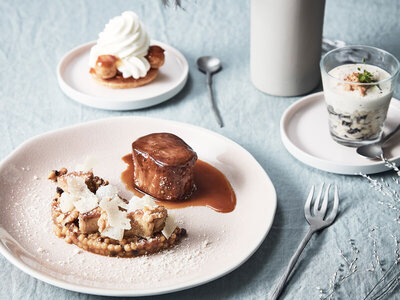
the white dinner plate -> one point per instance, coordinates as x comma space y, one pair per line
216, 244
76, 82
305, 134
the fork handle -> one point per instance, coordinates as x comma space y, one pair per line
282, 282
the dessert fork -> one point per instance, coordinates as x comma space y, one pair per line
317, 222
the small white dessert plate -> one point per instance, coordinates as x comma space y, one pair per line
216, 244
305, 134
76, 82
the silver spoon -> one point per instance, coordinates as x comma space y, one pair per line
374, 150
210, 65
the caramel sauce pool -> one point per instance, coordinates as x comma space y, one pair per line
213, 189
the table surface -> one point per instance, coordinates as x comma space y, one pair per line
36, 34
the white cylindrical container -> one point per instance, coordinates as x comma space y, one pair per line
286, 38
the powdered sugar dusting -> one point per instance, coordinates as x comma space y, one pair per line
28, 211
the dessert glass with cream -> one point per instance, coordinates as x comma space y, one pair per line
358, 84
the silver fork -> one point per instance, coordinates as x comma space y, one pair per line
317, 222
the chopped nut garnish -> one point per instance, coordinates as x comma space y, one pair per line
354, 77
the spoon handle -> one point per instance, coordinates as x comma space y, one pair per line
390, 134
213, 105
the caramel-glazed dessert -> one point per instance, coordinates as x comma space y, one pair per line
164, 166
88, 212
122, 57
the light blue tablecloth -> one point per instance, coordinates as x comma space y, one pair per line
34, 35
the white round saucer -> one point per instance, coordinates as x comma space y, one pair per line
305, 134
76, 82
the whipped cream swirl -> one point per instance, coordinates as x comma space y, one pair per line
126, 38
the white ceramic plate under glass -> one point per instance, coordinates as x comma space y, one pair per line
76, 82
305, 134
216, 244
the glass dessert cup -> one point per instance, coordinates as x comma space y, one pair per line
358, 83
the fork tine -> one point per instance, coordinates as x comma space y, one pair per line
316, 203
335, 208
308, 204
324, 205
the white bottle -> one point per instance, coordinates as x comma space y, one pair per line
285, 50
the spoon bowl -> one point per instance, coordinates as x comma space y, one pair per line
375, 150
209, 64
371, 150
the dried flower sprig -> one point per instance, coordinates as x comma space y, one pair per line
385, 189
375, 251
390, 279
391, 284
343, 272
391, 165
397, 249
391, 193
387, 287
